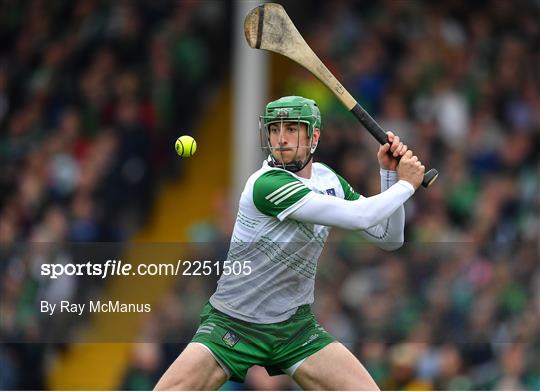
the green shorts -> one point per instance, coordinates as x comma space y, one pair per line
237, 345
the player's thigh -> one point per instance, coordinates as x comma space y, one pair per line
333, 368
194, 369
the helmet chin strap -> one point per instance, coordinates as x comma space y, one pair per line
293, 167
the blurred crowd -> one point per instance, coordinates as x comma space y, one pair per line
85, 118
91, 94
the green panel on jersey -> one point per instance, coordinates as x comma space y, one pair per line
277, 190
348, 191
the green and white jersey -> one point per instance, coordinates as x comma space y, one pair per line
283, 253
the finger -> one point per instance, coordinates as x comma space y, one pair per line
408, 154
395, 143
414, 158
384, 148
403, 149
397, 149
390, 135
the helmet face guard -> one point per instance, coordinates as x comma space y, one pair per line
292, 109
274, 152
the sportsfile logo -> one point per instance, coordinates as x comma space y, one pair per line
230, 338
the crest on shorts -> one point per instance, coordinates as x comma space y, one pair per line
331, 192
230, 338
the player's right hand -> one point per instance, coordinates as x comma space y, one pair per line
411, 169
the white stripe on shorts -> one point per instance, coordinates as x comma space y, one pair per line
290, 370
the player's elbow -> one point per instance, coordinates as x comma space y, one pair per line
364, 221
391, 241
391, 245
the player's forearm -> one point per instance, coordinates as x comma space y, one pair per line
388, 234
354, 215
388, 178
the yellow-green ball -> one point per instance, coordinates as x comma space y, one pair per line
185, 146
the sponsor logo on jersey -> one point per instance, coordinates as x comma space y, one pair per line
331, 192
230, 338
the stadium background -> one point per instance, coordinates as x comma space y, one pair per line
94, 93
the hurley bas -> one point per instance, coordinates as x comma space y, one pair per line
93, 307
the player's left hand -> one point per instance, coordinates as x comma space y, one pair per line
389, 153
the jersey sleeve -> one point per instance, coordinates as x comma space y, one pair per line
278, 193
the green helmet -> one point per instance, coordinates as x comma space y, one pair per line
293, 108
290, 109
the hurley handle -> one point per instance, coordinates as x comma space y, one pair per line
377, 132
